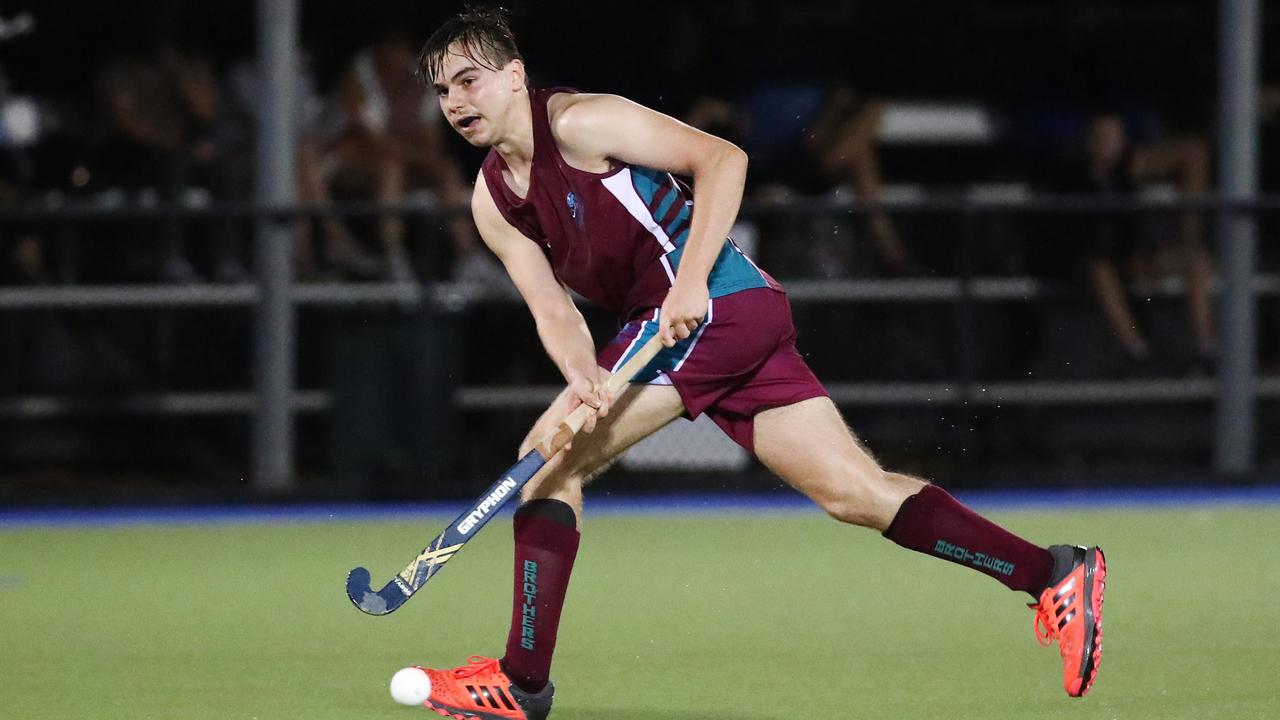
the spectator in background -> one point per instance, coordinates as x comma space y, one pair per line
821, 138
804, 134
391, 146
156, 115
21, 253
1110, 165
22, 260
208, 155
337, 253
842, 142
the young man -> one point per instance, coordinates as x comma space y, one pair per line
577, 191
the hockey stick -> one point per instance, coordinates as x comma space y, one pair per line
465, 526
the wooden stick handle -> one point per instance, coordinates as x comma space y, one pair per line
564, 432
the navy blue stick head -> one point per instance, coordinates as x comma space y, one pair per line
374, 603
444, 546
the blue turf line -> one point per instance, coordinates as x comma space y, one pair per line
702, 504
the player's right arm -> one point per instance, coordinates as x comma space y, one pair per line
561, 328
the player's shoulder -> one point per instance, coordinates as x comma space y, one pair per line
572, 114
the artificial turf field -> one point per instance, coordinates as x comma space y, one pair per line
753, 616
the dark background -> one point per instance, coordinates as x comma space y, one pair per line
1043, 65
1040, 69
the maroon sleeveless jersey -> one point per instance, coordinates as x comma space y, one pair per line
616, 237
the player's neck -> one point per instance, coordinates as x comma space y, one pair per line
516, 144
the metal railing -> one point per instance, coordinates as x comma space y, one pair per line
960, 290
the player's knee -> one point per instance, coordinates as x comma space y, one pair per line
565, 487
852, 496
851, 509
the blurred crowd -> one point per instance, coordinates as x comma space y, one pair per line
171, 131
172, 124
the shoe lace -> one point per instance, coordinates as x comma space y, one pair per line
1043, 624
477, 664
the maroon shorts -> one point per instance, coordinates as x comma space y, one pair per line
742, 359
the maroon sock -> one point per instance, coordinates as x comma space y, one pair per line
546, 544
934, 523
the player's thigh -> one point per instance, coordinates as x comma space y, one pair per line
546, 422
638, 412
809, 446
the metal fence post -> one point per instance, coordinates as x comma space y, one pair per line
273, 341
1238, 47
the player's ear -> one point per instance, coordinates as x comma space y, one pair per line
518, 78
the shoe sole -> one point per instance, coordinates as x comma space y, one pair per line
463, 714
1095, 581
533, 707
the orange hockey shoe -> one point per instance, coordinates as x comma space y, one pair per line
1070, 611
481, 690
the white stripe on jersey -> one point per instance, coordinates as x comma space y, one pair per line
620, 186
666, 265
634, 341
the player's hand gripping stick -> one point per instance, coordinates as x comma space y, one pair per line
428, 562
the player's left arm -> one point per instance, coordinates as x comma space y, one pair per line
594, 127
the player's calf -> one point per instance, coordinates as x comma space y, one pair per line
936, 524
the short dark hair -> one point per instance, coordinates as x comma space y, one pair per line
484, 34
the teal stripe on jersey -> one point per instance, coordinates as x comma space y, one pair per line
731, 273
658, 192
665, 206
667, 358
681, 217
647, 183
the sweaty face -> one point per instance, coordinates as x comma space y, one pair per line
474, 97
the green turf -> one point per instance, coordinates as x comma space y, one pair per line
695, 617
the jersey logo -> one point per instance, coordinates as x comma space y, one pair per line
575, 209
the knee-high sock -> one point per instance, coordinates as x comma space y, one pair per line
546, 545
934, 523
